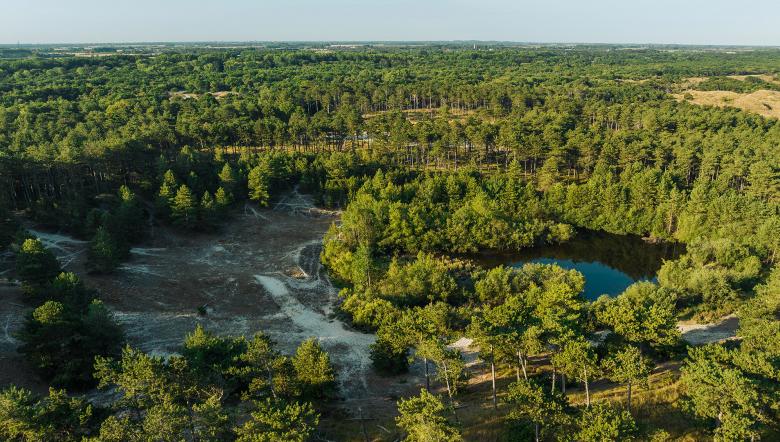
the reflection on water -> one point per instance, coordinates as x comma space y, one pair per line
610, 263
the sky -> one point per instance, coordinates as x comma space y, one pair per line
716, 22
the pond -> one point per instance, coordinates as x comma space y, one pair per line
610, 263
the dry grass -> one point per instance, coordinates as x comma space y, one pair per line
765, 77
693, 81
654, 407
190, 95
762, 102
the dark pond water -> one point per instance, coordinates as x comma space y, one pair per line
610, 263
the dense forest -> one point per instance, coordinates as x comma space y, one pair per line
431, 154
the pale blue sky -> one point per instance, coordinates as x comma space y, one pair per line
755, 22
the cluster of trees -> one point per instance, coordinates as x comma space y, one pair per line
69, 327
535, 321
746, 85
419, 302
731, 237
453, 213
735, 386
203, 394
72, 127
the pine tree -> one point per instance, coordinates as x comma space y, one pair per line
227, 178
423, 419
577, 360
313, 369
36, 266
104, 252
26, 417
714, 389
208, 211
534, 404
184, 208
223, 198
62, 341
129, 217
259, 184
277, 421
167, 193
630, 367
605, 423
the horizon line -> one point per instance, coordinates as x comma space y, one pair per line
374, 42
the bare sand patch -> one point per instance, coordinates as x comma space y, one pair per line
699, 334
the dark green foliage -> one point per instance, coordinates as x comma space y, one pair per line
264, 372
8, 229
192, 394
164, 399
629, 366
129, 217
36, 266
211, 356
68, 289
642, 315
387, 359
62, 340
429, 152
62, 336
105, 252
735, 390
184, 208
535, 405
208, 213
749, 84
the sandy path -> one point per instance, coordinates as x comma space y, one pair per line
353, 363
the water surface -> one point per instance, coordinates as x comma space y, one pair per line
610, 263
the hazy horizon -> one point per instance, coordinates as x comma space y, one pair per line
641, 22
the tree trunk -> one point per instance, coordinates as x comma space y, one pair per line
563, 383
629, 396
587, 389
553, 381
536, 431
493, 375
427, 377
447, 380
522, 364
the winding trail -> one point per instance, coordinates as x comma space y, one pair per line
354, 363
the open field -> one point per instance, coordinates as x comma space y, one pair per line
762, 102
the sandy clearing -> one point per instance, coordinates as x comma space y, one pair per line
260, 272
700, 334
67, 249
